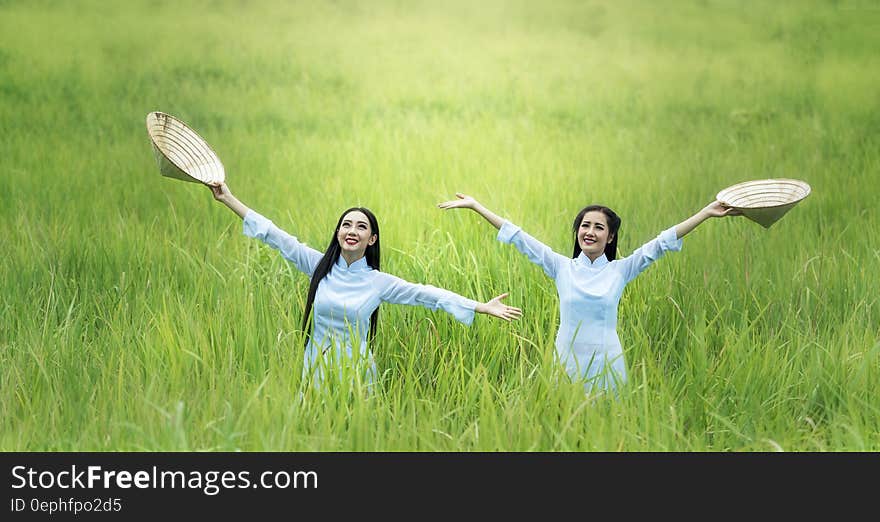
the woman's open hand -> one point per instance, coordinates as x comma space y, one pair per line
463, 201
498, 309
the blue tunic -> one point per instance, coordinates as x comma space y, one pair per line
589, 292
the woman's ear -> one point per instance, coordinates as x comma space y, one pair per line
610, 238
373, 239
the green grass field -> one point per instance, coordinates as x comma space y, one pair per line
136, 316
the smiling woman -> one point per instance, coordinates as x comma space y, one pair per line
347, 288
591, 282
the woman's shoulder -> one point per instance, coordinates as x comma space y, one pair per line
378, 276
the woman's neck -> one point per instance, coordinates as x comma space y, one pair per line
350, 257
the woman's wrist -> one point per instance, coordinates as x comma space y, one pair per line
704, 214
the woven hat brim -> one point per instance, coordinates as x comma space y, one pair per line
765, 201
181, 153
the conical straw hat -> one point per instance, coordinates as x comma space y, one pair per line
181, 153
764, 201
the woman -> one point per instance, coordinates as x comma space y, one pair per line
591, 282
346, 287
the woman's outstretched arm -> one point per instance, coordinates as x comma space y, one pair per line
224, 195
714, 209
399, 291
303, 257
537, 252
465, 201
669, 240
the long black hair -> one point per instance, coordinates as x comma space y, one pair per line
613, 230
326, 264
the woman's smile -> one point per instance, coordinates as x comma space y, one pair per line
594, 234
354, 235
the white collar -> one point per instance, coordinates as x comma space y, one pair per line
598, 263
358, 266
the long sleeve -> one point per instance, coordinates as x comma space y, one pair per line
304, 258
651, 251
537, 252
397, 291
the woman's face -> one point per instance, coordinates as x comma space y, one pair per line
593, 234
355, 234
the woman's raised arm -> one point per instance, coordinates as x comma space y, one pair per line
537, 252
224, 195
714, 209
465, 201
255, 225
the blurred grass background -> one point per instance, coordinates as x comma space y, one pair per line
137, 317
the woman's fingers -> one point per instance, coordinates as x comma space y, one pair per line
512, 313
450, 204
462, 201
504, 311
